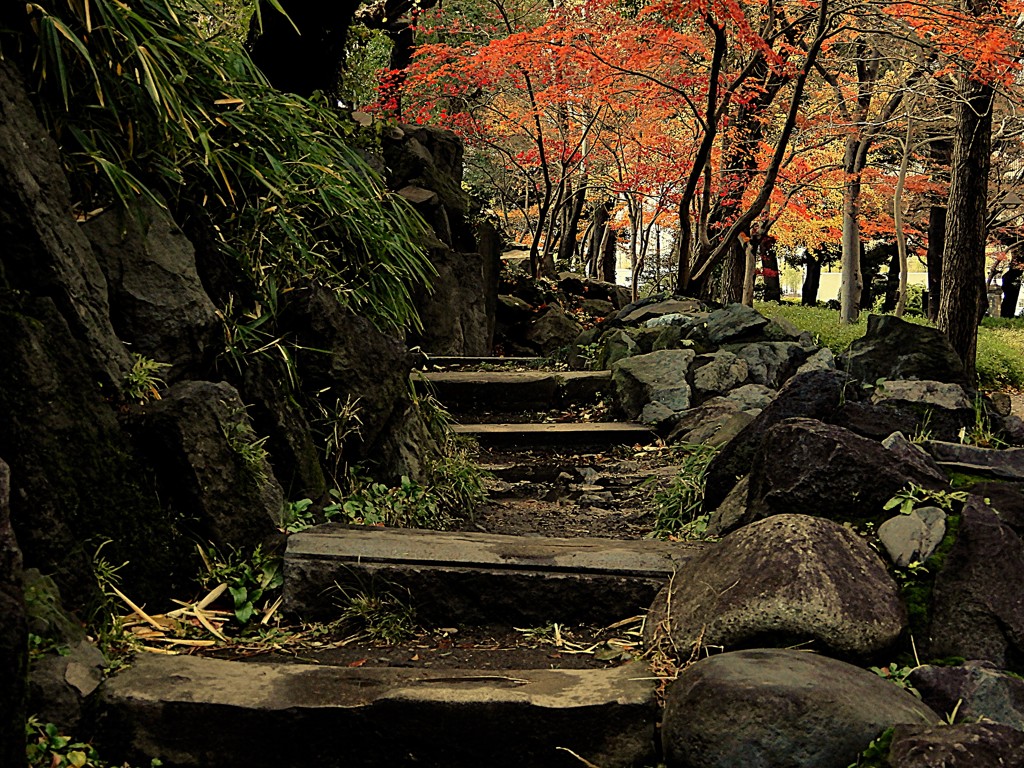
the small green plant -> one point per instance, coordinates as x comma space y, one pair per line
980, 433
336, 423
47, 747
250, 449
677, 507
143, 382
589, 353
876, 755
249, 578
897, 674
381, 616
408, 505
914, 496
113, 639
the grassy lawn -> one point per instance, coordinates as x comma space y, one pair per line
1000, 342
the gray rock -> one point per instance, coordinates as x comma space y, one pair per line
719, 431
822, 360
158, 304
718, 372
669, 337
512, 309
657, 376
752, 397
459, 309
598, 289
1002, 464
199, 439
814, 395
895, 349
977, 612
914, 537
910, 454
773, 708
60, 684
47, 617
734, 322
771, 363
616, 344
671, 320
806, 466
635, 315
936, 394
1007, 499
976, 690
552, 331
781, 329
789, 579
659, 416
971, 745
13, 635
877, 421
598, 307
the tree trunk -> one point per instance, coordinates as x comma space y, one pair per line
936, 244
609, 249
749, 269
963, 258
567, 246
852, 286
1011, 291
812, 280
892, 283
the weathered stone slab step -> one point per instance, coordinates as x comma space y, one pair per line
204, 713
598, 435
442, 361
514, 390
471, 578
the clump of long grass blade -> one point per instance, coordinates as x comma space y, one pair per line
143, 105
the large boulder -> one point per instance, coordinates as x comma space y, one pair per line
774, 708
977, 611
458, 310
788, 579
808, 467
1000, 464
210, 462
895, 349
655, 377
970, 745
45, 251
60, 684
345, 362
718, 372
734, 322
552, 331
771, 363
974, 691
816, 395
13, 635
158, 306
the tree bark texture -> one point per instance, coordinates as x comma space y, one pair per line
963, 258
936, 243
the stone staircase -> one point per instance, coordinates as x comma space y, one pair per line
191, 711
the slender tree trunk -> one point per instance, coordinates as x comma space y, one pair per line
852, 285
936, 244
609, 249
750, 267
897, 214
770, 269
963, 258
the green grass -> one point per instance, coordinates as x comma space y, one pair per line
1000, 361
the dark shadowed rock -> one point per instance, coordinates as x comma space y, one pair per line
911, 455
773, 708
615, 344
618, 295
45, 251
641, 311
970, 745
812, 395
13, 635
72, 465
788, 579
876, 421
977, 611
346, 360
895, 349
158, 306
276, 414
552, 331
976, 690
942, 409
734, 322
208, 462
60, 684
807, 467
1007, 499
458, 310
658, 376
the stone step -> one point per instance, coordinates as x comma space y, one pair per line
504, 391
475, 578
596, 435
431, 362
204, 713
